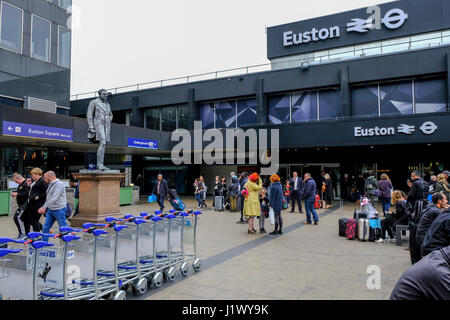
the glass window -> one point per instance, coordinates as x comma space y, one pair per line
40, 39
8, 102
368, 49
279, 109
65, 4
246, 112
342, 53
152, 119
304, 106
9, 158
183, 117
430, 96
390, 46
169, 119
426, 40
365, 101
396, 98
226, 114
11, 28
207, 115
445, 37
330, 104
64, 47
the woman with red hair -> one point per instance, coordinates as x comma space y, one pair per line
252, 207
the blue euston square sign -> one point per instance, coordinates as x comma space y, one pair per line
142, 144
26, 130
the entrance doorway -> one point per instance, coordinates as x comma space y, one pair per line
315, 169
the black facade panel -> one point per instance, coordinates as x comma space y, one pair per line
423, 16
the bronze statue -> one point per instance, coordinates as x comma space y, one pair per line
99, 118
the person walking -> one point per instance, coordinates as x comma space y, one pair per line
297, 190
21, 196
264, 203
252, 207
36, 199
198, 193
276, 203
328, 190
310, 199
55, 205
442, 185
370, 186
233, 193
161, 189
243, 180
384, 192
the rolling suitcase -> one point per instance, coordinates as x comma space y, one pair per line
317, 202
363, 229
351, 229
219, 203
343, 226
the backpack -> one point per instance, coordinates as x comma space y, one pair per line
350, 229
370, 183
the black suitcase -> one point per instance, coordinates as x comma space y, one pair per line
342, 226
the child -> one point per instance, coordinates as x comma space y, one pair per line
287, 192
264, 202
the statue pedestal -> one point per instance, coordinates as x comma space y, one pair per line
99, 196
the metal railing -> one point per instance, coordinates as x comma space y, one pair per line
321, 57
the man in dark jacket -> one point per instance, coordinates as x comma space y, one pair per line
233, 193
430, 213
428, 279
160, 190
438, 236
418, 192
242, 182
297, 188
21, 196
310, 198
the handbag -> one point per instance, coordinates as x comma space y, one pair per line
285, 204
271, 216
152, 199
68, 211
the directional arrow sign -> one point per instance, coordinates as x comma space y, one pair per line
35, 131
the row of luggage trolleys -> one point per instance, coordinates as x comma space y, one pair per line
101, 261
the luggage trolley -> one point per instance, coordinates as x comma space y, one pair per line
5, 264
188, 239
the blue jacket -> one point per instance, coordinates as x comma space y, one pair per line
310, 188
276, 197
242, 183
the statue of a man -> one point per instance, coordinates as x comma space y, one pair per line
99, 118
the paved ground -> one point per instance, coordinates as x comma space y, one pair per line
306, 263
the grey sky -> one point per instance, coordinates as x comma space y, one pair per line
118, 43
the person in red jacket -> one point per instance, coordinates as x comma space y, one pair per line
287, 191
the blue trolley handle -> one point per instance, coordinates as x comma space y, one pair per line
5, 252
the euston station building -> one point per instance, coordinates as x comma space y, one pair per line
358, 91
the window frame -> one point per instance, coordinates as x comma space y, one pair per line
59, 48
59, 5
50, 43
21, 33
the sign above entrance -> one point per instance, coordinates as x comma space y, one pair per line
427, 128
142, 144
26, 130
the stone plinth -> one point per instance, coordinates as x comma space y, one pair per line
99, 196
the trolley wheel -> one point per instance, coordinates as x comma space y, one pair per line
184, 269
157, 280
197, 264
121, 295
171, 274
141, 287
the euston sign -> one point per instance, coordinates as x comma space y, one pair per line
393, 19
427, 128
25, 130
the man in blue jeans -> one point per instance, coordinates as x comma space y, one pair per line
310, 199
56, 203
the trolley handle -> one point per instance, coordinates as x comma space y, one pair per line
8, 240
69, 238
5, 252
35, 235
39, 244
136, 220
69, 230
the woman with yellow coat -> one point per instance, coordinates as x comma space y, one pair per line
252, 207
